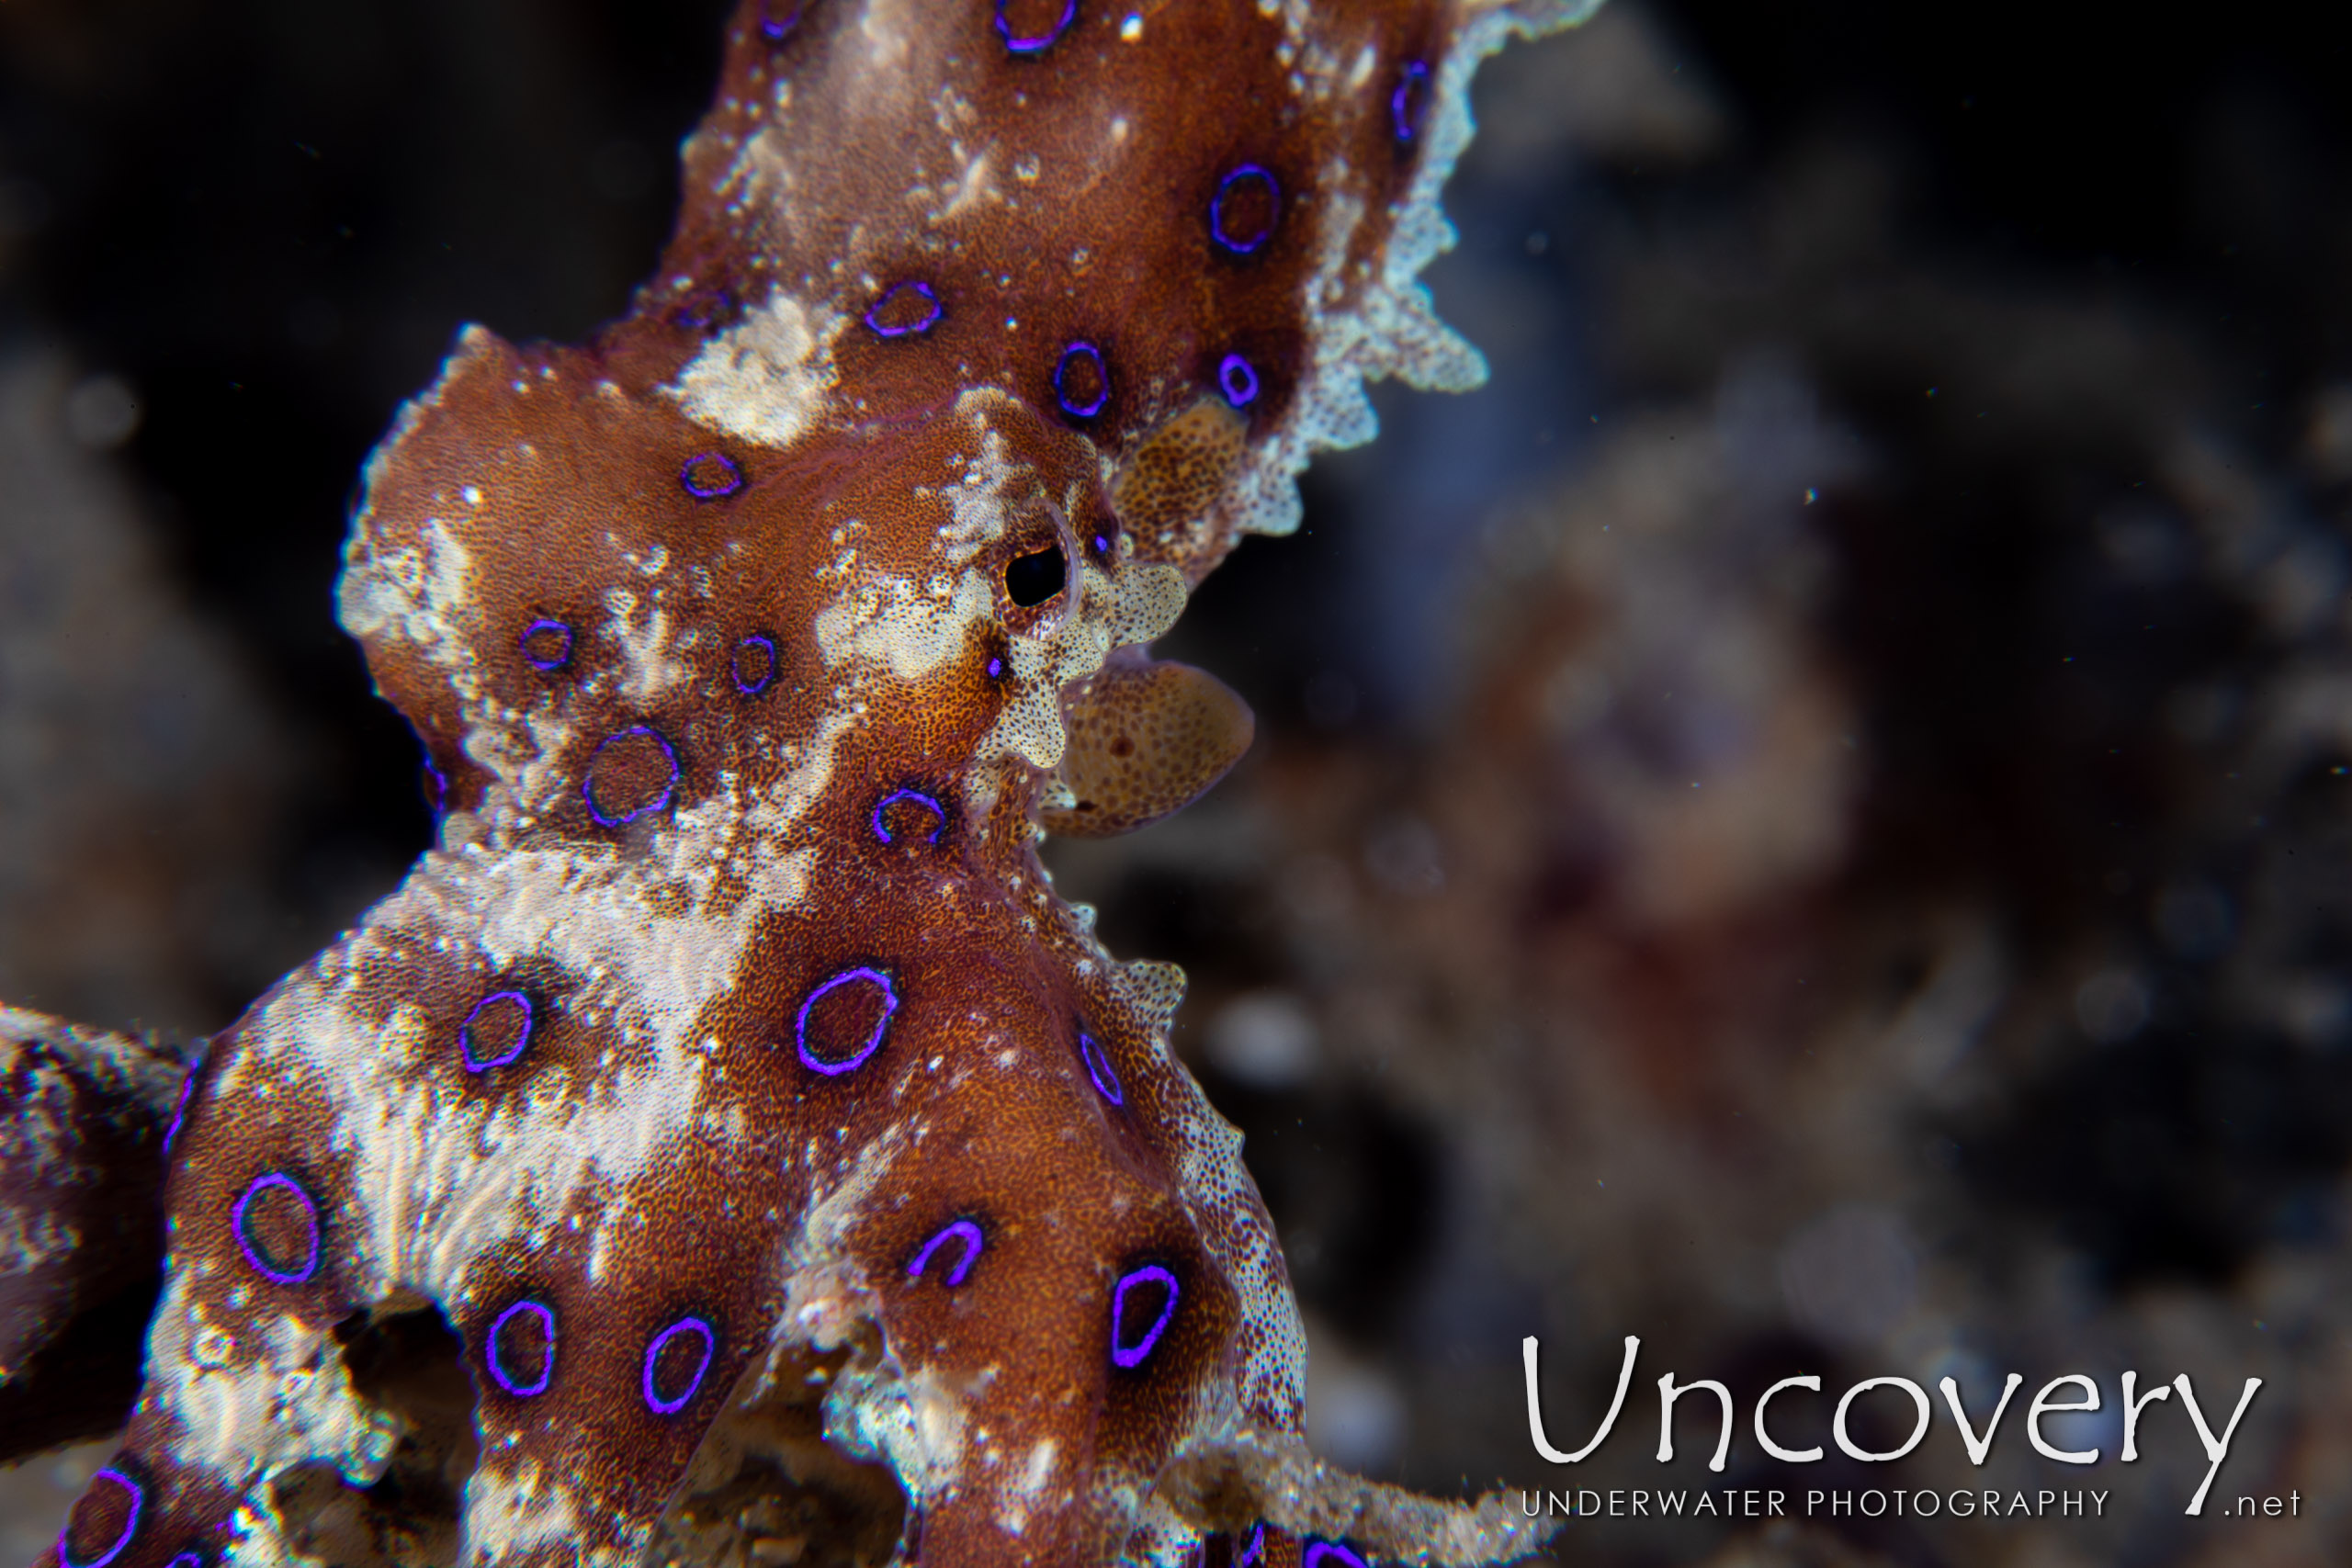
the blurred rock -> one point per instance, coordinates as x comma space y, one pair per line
142, 776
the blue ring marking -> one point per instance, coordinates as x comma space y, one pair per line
561, 658
522, 1038
996, 668
705, 309
438, 797
1245, 246
238, 1229
658, 803
735, 663
1316, 1551
1040, 42
186, 1560
1238, 379
874, 1041
965, 1231
1255, 1552
1098, 1069
730, 478
930, 315
179, 1110
1405, 114
491, 1359
688, 1324
776, 29
1083, 350
882, 829
130, 1526
1149, 1274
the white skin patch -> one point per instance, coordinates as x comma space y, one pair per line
769, 378
413, 594
238, 1425
890, 623
509, 1512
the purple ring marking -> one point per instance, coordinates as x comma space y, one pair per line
697, 476
965, 1231
705, 308
1238, 379
882, 830
1242, 244
776, 21
506, 1380
873, 1042
1410, 101
1149, 1274
658, 803
555, 661
1098, 1067
1083, 350
1041, 41
1317, 1550
522, 1036
757, 643
925, 291
179, 1109
130, 1526
1255, 1552
996, 668
1102, 544
186, 1560
239, 1228
437, 795
654, 1400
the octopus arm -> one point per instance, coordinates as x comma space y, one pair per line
81, 1153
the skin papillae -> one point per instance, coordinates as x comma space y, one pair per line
731, 1052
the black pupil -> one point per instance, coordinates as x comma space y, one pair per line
1034, 578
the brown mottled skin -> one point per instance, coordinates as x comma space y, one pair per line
740, 715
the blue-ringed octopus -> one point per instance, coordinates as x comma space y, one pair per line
730, 1053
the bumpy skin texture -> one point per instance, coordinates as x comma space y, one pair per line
732, 1018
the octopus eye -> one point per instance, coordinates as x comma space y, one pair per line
1032, 579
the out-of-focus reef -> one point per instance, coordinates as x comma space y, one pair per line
140, 775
